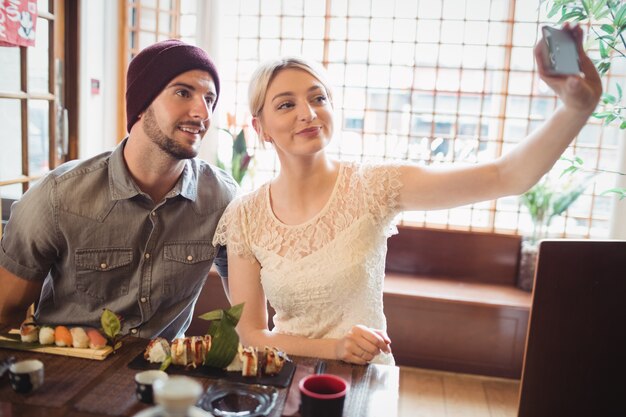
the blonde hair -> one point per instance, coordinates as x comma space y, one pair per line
267, 71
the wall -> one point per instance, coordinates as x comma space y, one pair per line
618, 214
98, 60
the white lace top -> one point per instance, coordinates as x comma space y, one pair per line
330, 275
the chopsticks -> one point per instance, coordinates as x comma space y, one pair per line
320, 367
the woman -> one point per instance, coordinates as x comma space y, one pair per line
313, 240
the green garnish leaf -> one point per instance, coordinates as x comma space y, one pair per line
166, 363
234, 313
110, 323
212, 315
224, 337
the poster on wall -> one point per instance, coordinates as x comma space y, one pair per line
18, 19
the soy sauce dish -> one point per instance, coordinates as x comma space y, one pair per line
227, 399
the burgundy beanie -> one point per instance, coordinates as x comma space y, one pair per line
155, 66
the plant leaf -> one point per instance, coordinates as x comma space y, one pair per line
562, 202
608, 28
239, 145
569, 170
620, 16
224, 337
110, 323
620, 192
212, 315
609, 98
234, 313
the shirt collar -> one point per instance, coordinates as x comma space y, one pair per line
123, 187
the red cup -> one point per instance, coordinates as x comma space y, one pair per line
322, 395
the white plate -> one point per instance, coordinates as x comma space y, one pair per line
157, 411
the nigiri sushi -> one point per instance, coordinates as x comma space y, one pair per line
79, 337
46, 335
62, 336
29, 331
96, 340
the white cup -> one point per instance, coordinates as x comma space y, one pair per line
144, 381
176, 394
26, 376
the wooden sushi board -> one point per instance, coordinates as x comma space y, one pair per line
96, 354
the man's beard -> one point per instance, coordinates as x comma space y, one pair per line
167, 144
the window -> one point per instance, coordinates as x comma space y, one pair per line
147, 22
37, 114
429, 82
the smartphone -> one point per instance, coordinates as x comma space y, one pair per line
562, 56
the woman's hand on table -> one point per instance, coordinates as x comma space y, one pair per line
361, 344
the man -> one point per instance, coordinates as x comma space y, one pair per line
129, 230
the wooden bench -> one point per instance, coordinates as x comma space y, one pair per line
450, 301
452, 304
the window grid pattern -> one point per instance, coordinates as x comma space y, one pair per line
430, 82
147, 22
150, 21
29, 92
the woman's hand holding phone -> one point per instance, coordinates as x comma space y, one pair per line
579, 89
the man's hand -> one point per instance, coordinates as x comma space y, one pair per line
16, 296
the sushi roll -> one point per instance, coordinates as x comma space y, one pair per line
200, 346
180, 350
79, 337
249, 361
62, 336
96, 340
190, 351
274, 360
157, 351
29, 331
46, 335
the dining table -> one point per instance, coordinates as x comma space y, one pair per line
78, 387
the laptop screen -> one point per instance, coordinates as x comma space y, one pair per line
575, 360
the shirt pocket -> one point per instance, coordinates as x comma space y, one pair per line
103, 273
187, 264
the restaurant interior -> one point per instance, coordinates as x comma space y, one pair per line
485, 304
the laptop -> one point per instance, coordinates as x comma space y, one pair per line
575, 360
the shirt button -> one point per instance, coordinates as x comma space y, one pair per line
133, 331
147, 256
190, 258
143, 299
153, 213
103, 266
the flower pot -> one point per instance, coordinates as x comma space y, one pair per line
527, 265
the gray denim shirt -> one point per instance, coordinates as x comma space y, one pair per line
96, 240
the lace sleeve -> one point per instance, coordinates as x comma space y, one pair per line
232, 230
382, 186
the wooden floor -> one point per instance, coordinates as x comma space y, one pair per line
427, 393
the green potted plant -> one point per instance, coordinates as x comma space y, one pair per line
240, 160
545, 201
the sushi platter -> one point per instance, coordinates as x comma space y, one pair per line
12, 341
187, 356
